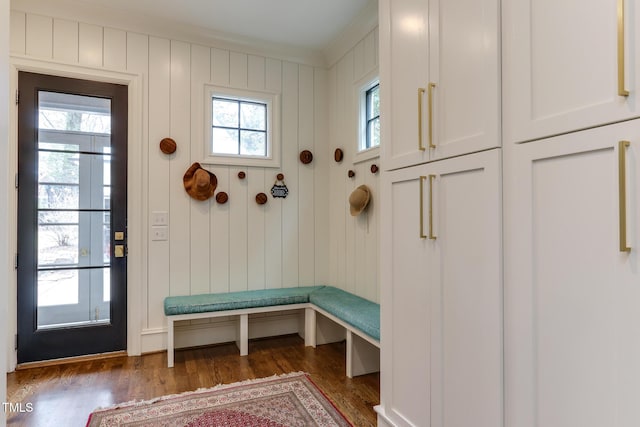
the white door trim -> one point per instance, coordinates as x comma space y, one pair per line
136, 206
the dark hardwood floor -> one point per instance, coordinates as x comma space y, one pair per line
64, 395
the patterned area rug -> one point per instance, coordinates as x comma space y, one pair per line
282, 401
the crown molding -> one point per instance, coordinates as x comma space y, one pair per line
363, 24
107, 17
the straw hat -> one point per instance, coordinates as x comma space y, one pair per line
199, 182
359, 199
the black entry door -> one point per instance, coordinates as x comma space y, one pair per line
72, 204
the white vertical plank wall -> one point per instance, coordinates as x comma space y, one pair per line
353, 241
307, 238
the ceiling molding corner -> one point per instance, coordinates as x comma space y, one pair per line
363, 24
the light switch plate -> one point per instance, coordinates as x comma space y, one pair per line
160, 218
159, 233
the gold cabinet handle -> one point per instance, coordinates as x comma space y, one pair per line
622, 185
430, 99
421, 91
621, 90
422, 235
431, 235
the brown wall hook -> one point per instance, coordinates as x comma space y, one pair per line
261, 198
351, 174
242, 175
222, 197
306, 157
374, 169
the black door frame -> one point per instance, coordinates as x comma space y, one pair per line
34, 344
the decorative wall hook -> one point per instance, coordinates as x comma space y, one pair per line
242, 175
261, 198
374, 169
338, 155
306, 157
279, 190
222, 197
168, 146
351, 173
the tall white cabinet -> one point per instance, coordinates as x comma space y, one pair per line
442, 310
557, 220
572, 213
572, 280
441, 214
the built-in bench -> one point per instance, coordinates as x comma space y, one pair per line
359, 317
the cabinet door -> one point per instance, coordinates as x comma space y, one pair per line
404, 71
441, 293
405, 296
466, 292
572, 346
561, 65
465, 69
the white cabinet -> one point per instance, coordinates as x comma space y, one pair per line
572, 316
440, 68
562, 68
441, 289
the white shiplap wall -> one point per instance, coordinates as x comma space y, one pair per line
307, 238
353, 240
211, 247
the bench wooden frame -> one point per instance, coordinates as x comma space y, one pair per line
362, 358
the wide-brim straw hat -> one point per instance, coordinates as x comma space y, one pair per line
359, 199
199, 183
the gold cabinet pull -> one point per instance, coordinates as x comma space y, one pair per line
430, 99
422, 235
622, 181
621, 90
431, 235
421, 91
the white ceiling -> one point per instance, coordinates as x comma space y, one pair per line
309, 24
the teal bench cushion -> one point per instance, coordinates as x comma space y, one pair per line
356, 311
205, 303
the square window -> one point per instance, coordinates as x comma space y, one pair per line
242, 128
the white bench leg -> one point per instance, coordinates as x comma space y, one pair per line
362, 356
243, 335
310, 327
169, 342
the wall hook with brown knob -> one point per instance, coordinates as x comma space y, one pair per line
261, 198
168, 146
351, 173
306, 157
222, 197
242, 175
374, 169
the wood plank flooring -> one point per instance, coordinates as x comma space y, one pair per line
65, 395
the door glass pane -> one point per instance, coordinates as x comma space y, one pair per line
74, 218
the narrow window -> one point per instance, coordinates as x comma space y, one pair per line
372, 116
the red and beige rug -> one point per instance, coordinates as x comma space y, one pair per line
282, 401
